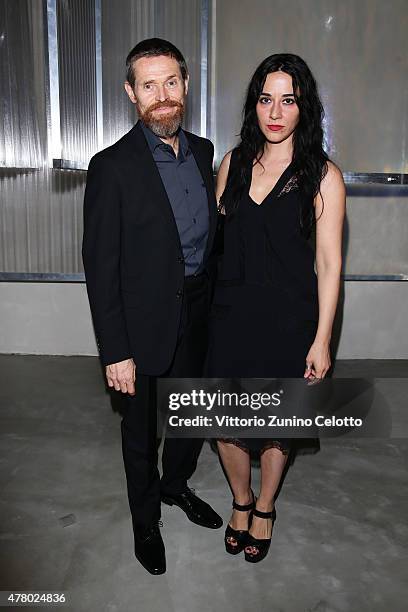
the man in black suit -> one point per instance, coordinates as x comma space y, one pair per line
149, 224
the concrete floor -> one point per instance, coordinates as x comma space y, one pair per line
339, 541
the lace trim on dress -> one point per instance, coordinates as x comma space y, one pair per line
242, 445
291, 185
221, 209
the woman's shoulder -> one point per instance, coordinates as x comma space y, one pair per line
227, 162
332, 189
333, 177
228, 159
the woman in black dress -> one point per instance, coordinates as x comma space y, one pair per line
272, 314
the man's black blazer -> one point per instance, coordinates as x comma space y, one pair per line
131, 251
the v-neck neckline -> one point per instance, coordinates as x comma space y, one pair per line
274, 188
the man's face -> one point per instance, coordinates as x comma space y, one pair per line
159, 93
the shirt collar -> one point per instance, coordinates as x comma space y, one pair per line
154, 141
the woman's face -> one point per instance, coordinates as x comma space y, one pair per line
277, 111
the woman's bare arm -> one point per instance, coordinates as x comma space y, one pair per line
330, 205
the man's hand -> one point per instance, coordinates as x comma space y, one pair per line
122, 376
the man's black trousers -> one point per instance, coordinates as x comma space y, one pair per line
139, 422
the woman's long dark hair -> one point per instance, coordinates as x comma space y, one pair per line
309, 157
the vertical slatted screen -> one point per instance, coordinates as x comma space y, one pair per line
41, 207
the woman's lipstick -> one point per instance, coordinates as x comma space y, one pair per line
275, 128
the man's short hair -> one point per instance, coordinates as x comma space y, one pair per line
152, 47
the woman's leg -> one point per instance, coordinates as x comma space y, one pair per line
237, 465
273, 462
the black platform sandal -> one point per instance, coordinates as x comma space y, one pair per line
261, 545
239, 535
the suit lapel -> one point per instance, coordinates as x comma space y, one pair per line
152, 182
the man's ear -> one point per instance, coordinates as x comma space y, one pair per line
130, 92
186, 80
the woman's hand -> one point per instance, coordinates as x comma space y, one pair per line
318, 360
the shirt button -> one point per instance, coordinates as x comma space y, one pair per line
179, 294
195, 249
194, 220
186, 190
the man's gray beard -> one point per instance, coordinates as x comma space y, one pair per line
167, 128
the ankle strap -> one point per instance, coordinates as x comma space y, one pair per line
265, 515
247, 507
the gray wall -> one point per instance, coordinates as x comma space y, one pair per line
53, 318
358, 54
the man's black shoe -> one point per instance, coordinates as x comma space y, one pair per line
197, 510
149, 548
